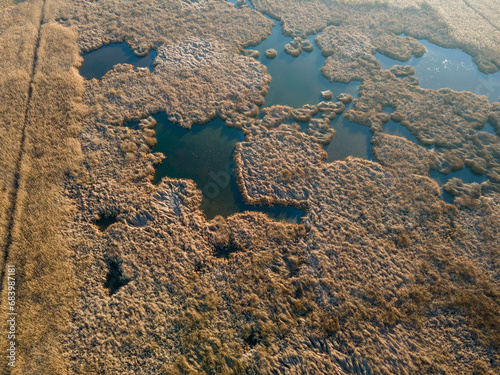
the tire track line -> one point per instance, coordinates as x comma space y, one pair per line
17, 175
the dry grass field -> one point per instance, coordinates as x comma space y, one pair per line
42, 149
469, 25
18, 29
380, 277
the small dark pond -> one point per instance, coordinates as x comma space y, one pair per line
105, 221
115, 278
97, 63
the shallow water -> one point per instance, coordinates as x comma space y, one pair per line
488, 128
296, 80
395, 128
465, 174
97, 63
205, 155
104, 222
250, 5
449, 68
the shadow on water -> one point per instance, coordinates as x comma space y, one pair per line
204, 154
105, 221
395, 128
97, 63
448, 68
224, 251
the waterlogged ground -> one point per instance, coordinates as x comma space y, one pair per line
204, 153
379, 262
298, 81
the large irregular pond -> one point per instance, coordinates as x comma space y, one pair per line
296, 80
204, 154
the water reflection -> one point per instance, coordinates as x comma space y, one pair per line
350, 139
296, 80
204, 154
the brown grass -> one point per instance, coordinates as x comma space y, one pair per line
345, 298
45, 284
18, 28
9, 3
442, 22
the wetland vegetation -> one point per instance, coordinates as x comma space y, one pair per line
136, 205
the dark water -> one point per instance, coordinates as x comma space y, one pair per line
465, 174
350, 139
115, 278
449, 68
97, 63
104, 222
204, 154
